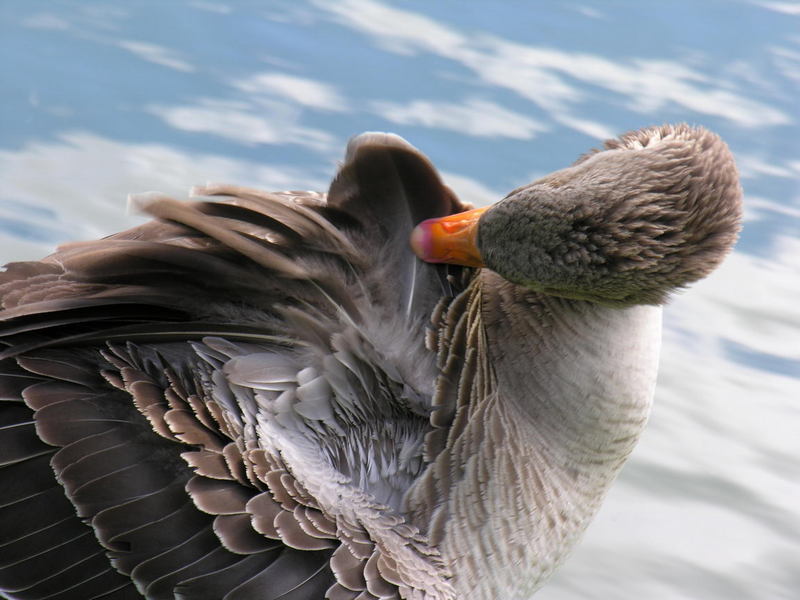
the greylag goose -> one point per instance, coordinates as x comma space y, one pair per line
270, 396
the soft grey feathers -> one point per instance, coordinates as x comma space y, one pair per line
171, 391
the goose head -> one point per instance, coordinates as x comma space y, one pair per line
655, 210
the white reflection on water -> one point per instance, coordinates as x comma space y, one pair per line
475, 117
542, 74
276, 123
299, 90
708, 506
156, 54
788, 8
470, 190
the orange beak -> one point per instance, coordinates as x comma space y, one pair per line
452, 239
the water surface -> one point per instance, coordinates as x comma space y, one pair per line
100, 99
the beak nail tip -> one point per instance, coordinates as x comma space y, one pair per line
420, 241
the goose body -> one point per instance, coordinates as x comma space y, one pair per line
270, 396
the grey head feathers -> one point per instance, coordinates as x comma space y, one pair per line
655, 210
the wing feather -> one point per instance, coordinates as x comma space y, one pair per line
144, 451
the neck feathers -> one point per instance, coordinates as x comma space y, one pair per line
540, 402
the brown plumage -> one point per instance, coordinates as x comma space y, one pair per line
271, 397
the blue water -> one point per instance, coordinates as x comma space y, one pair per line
99, 99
